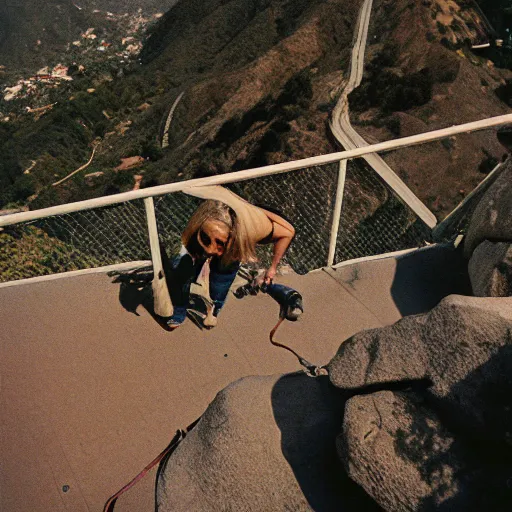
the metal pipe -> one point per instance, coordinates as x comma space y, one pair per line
260, 171
342, 173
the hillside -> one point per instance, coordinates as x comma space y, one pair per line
127, 6
276, 62
259, 79
421, 76
33, 33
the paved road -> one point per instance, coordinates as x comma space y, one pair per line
350, 139
165, 137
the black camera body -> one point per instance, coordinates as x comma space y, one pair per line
246, 289
289, 300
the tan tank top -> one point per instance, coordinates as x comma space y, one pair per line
257, 224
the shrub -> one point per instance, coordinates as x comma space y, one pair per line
392, 92
448, 44
270, 142
488, 163
504, 93
447, 143
101, 127
393, 125
35, 254
23, 188
325, 107
150, 149
388, 56
289, 14
291, 112
445, 66
280, 126
297, 90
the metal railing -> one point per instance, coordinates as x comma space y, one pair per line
458, 220
338, 214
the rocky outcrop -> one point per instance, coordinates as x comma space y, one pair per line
264, 443
488, 243
454, 343
129, 163
448, 444
490, 269
492, 218
397, 449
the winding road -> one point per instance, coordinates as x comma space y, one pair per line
350, 139
165, 138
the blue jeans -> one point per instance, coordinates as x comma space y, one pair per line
183, 271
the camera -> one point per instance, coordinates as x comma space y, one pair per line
246, 289
289, 300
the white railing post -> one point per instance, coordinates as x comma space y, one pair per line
154, 244
161, 300
342, 173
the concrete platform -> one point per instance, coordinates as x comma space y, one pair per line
93, 388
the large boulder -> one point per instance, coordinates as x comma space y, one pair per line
264, 443
490, 269
492, 219
447, 444
461, 351
398, 450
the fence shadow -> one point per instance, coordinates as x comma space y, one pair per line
135, 291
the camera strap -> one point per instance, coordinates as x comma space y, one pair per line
310, 369
178, 437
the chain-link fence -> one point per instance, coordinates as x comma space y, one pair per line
373, 221
306, 199
75, 241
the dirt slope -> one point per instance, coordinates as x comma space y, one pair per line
441, 83
245, 66
260, 78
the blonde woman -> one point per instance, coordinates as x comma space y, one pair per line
225, 228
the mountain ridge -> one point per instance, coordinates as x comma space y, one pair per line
260, 78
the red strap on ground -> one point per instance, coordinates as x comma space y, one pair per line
110, 504
277, 344
310, 370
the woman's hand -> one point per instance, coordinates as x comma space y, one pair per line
269, 275
265, 277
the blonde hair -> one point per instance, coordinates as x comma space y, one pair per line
239, 247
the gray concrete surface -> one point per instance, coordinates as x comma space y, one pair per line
93, 388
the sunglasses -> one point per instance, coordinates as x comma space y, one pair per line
206, 240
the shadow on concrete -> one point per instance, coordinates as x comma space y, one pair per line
309, 414
135, 291
442, 273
